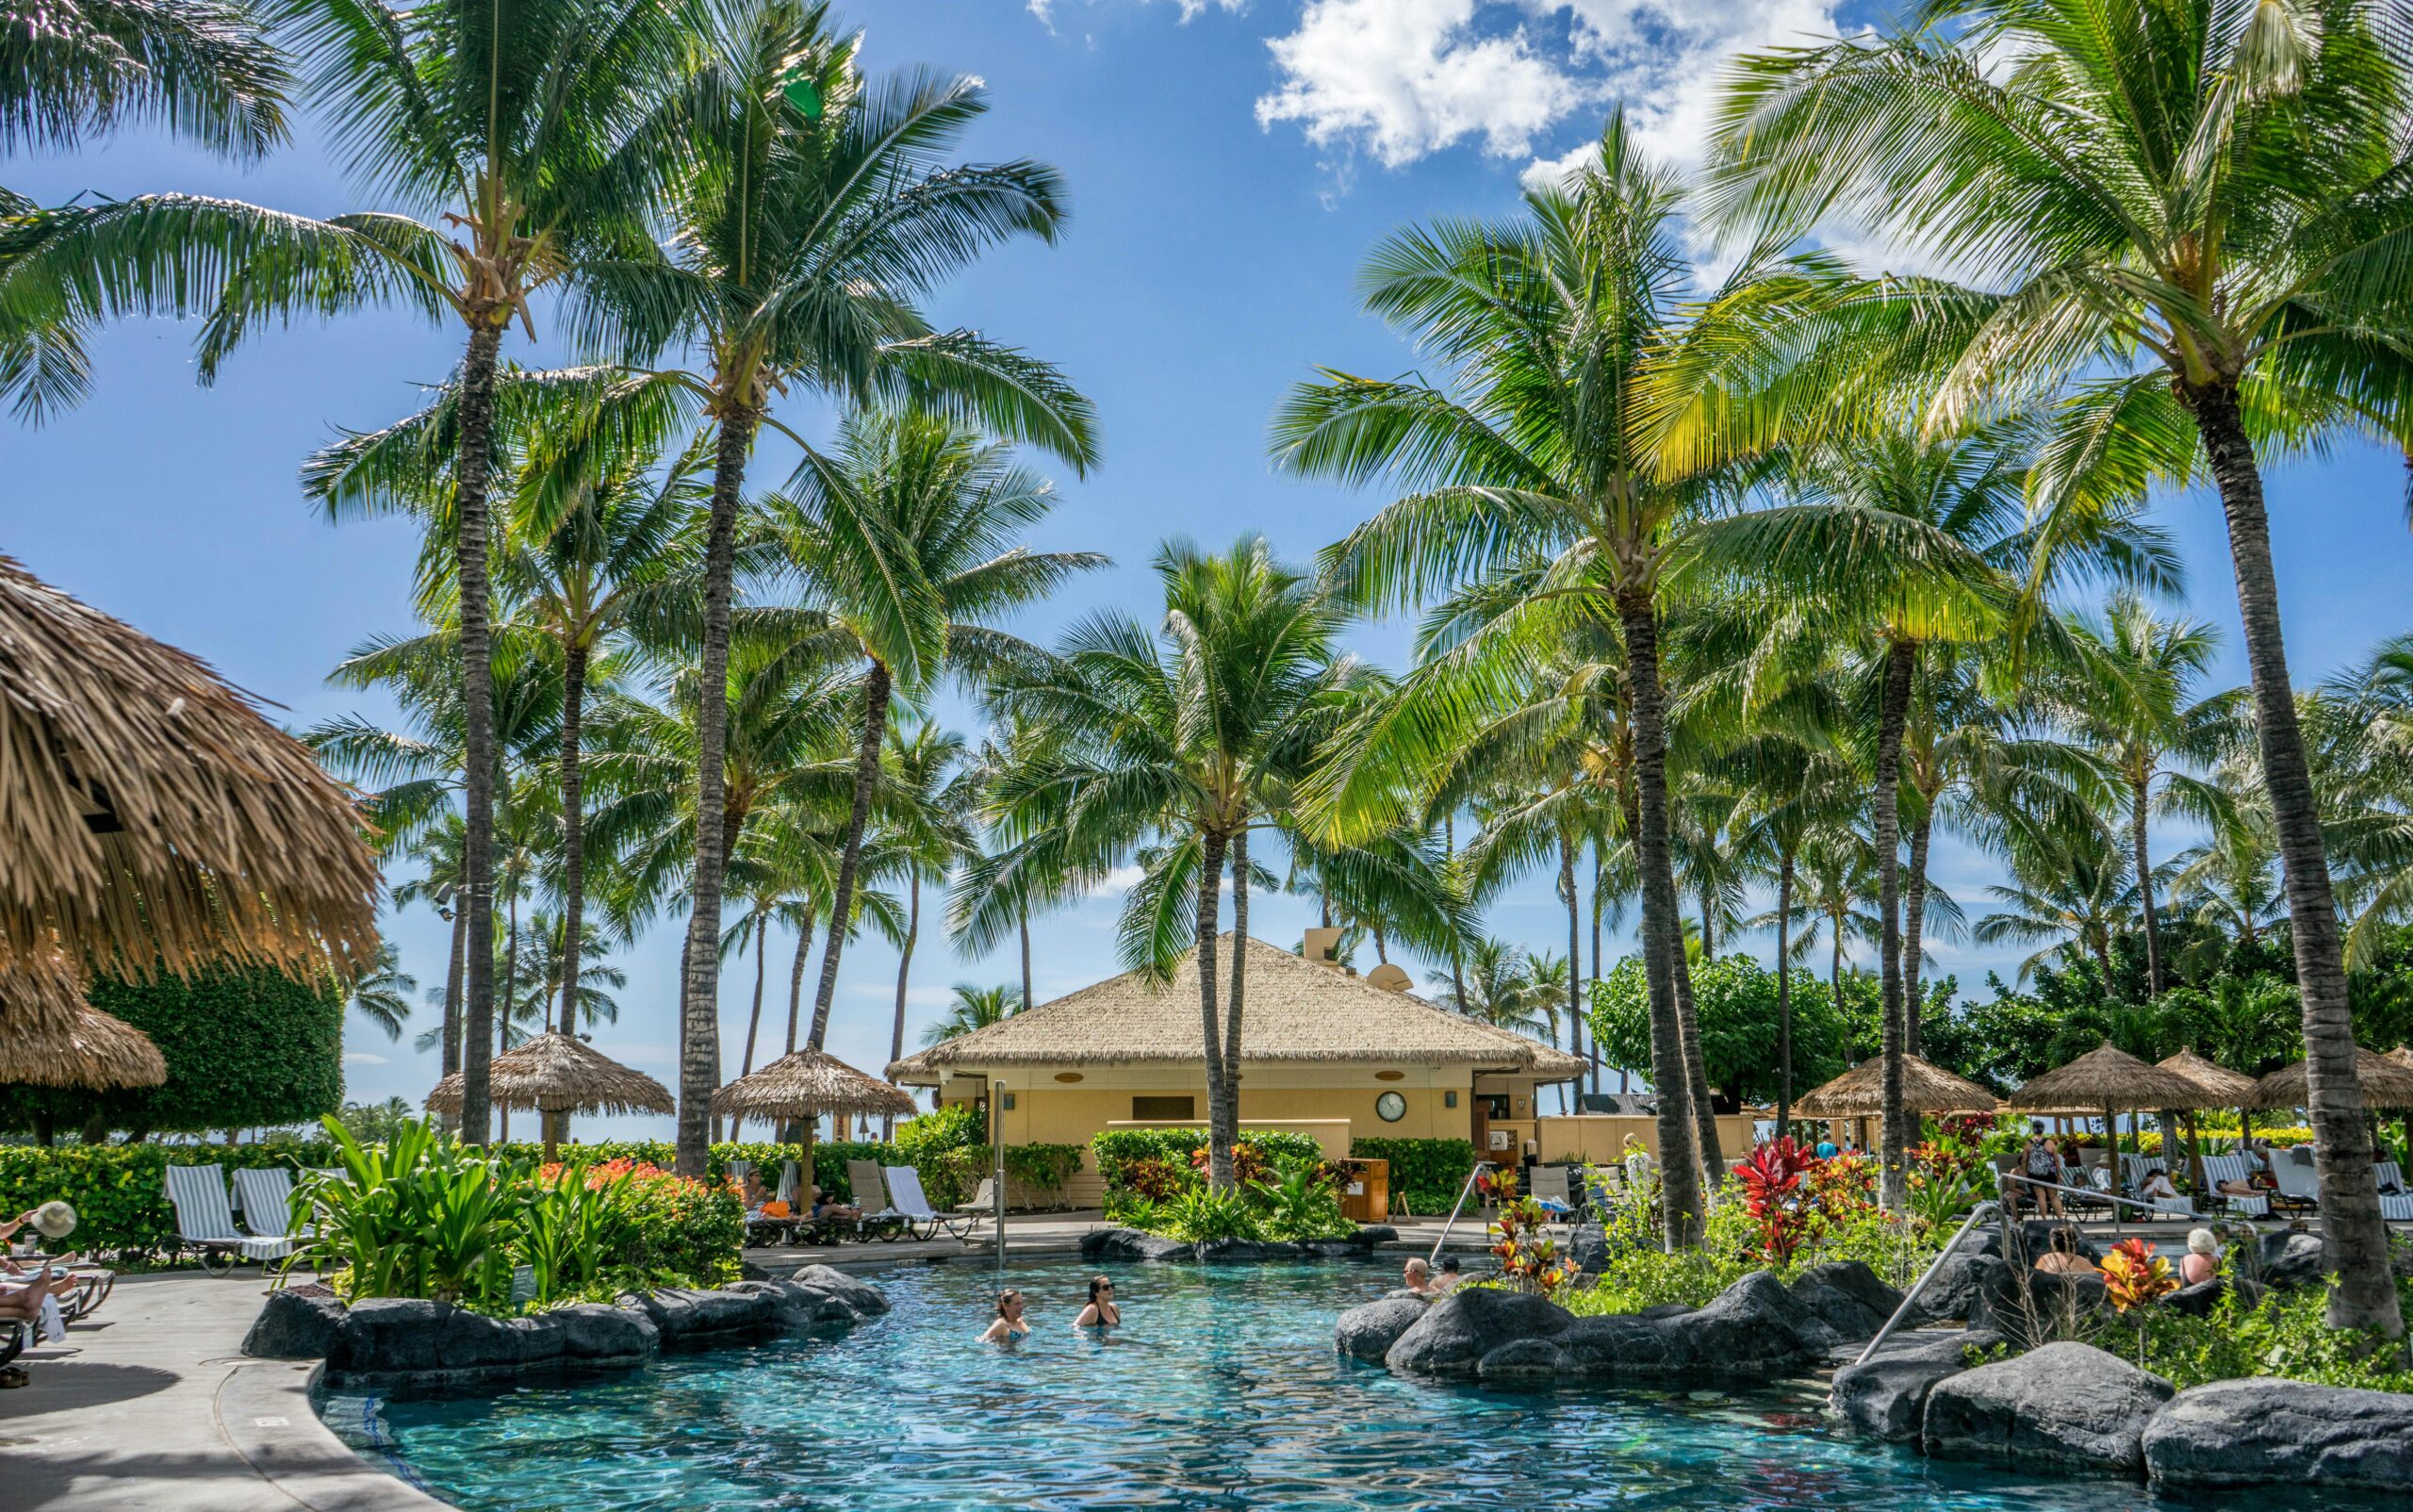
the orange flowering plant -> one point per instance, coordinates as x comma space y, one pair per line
2134, 1276
1528, 1256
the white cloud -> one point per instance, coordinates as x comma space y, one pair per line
1402, 79
1190, 9
365, 1058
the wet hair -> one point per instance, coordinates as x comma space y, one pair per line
2065, 1240
1417, 1264
1449, 1266
1010, 1294
1098, 1284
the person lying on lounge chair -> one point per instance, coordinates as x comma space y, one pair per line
2157, 1187
754, 1194
825, 1210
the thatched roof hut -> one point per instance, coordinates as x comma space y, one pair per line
805, 1084
2221, 1087
2106, 1077
1926, 1088
79, 1046
557, 1074
1299, 1011
2386, 1084
150, 818
2402, 1055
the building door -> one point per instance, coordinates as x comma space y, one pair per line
1482, 1122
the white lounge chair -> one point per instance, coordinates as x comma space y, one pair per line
265, 1195
881, 1218
922, 1220
2299, 1185
2396, 1208
205, 1221
2220, 1168
982, 1208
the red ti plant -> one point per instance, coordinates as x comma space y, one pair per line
1774, 1193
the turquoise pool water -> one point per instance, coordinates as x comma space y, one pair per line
1222, 1391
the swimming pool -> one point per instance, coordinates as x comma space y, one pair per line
1222, 1391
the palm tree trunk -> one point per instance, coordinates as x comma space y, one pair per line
1022, 923
1713, 1158
1708, 925
1457, 946
451, 1050
700, 991
2138, 796
1835, 970
1783, 989
1600, 876
1574, 951
1679, 1160
2355, 1240
1892, 1133
1914, 925
477, 743
842, 903
1238, 996
795, 977
573, 830
904, 974
503, 1020
1222, 1117
754, 1020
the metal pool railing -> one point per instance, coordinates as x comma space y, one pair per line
1455, 1208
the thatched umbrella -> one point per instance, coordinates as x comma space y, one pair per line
2387, 1083
73, 1045
1926, 1088
554, 1073
150, 820
2219, 1086
2111, 1079
805, 1084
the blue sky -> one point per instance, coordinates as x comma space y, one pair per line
1230, 162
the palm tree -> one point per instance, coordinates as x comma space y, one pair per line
1589, 425
438, 850
815, 219
975, 1008
1838, 877
381, 995
2129, 696
930, 824
908, 535
2071, 892
73, 68
1172, 747
1500, 986
2196, 205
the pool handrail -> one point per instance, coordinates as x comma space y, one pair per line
1480, 1167
1980, 1211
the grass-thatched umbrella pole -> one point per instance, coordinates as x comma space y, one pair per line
2217, 1087
69, 1044
2115, 1081
1926, 1088
554, 1073
803, 1085
150, 820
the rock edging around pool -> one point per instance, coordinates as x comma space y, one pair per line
394, 1345
1756, 1328
1135, 1246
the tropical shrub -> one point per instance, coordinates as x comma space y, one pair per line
1775, 1195
1203, 1213
1301, 1200
956, 1126
1528, 1255
1426, 1176
2284, 1334
1117, 1148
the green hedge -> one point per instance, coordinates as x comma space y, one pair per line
1117, 1148
1426, 1176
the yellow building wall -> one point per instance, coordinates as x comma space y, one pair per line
1047, 1110
1600, 1138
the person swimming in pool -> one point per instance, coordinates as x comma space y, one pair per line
1100, 1313
1008, 1326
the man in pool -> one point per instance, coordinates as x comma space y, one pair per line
1417, 1277
1450, 1276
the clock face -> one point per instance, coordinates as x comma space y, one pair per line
1391, 1106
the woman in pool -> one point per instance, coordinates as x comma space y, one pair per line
1100, 1313
1008, 1326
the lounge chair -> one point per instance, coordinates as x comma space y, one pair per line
881, 1218
2220, 1168
2082, 1177
205, 1221
922, 1220
2395, 1207
265, 1195
983, 1206
2299, 1187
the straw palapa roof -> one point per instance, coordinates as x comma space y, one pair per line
2386, 1084
150, 818
69, 1044
2402, 1055
1297, 1010
2222, 1087
1926, 1088
806, 1084
557, 1074
2107, 1077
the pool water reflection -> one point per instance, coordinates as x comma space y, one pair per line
1220, 1391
